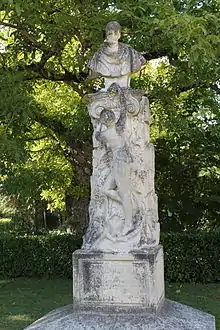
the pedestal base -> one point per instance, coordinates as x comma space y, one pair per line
172, 316
117, 282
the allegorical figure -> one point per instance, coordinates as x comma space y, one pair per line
115, 61
117, 185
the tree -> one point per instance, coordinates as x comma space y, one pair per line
45, 48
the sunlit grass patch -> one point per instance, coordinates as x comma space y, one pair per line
19, 317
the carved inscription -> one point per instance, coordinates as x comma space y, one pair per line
111, 281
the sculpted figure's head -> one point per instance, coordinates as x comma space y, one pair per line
107, 117
113, 33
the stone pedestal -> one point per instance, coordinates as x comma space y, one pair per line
116, 281
172, 316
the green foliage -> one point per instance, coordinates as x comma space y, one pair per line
185, 131
6, 207
192, 257
45, 132
43, 256
36, 157
188, 257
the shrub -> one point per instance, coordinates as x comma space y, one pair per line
192, 257
188, 257
42, 256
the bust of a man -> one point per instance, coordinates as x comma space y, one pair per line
115, 61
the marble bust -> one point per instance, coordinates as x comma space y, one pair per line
115, 61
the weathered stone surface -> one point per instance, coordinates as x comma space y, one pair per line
172, 316
115, 61
118, 281
123, 211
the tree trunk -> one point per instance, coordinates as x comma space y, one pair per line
76, 213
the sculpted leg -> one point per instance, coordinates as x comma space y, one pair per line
124, 189
110, 189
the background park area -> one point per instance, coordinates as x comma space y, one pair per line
46, 143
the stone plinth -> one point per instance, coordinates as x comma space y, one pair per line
116, 281
172, 316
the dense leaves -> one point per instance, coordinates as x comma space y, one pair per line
43, 256
192, 257
45, 131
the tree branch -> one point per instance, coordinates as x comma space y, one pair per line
72, 79
36, 138
51, 75
33, 41
211, 85
158, 54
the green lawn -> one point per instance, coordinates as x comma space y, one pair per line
24, 300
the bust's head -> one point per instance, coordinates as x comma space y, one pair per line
113, 33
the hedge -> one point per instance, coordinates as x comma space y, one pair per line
192, 257
41, 256
188, 257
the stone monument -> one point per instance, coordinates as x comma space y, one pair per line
121, 257
118, 275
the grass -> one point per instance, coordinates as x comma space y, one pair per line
24, 300
205, 297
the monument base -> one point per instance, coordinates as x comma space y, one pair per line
172, 316
118, 281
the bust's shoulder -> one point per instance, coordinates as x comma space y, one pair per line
127, 49
95, 57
